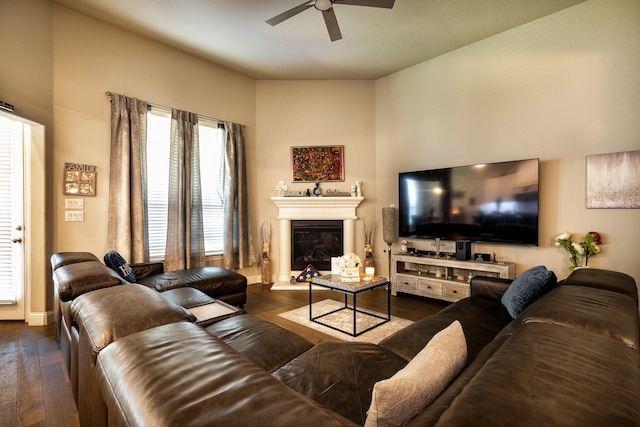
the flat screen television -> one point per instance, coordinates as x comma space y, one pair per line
490, 202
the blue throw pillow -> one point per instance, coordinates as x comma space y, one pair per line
114, 260
527, 288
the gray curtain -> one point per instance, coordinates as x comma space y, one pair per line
127, 222
185, 235
238, 244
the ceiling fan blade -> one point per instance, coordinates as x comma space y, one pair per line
289, 13
388, 4
332, 24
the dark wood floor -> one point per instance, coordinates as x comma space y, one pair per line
35, 389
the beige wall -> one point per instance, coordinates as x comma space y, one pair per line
294, 113
91, 58
559, 89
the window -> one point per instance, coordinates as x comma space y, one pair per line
211, 139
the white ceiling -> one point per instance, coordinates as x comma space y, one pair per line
376, 42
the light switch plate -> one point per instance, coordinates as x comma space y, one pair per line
74, 216
74, 203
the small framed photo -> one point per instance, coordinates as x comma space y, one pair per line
317, 164
79, 180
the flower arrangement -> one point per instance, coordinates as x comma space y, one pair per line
349, 267
588, 247
349, 261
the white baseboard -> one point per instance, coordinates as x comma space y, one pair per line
40, 318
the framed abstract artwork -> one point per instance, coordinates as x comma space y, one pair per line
319, 163
613, 180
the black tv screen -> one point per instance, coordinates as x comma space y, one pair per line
491, 202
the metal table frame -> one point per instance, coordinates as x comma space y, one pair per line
334, 283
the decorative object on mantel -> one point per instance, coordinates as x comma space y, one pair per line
588, 247
336, 193
317, 191
79, 180
368, 230
280, 189
358, 188
265, 238
308, 274
613, 180
350, 268
319, 163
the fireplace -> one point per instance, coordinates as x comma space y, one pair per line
315, 242
317, 209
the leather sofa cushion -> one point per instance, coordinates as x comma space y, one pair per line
64, 258
107, 315
604, 279
187, 297
213, 281
489, 287
73, 280
590, 309
266, 344
481, 319
341, 375
547, 375
209, 384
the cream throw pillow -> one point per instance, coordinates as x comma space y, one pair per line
395, 401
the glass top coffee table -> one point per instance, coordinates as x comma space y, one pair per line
334, 283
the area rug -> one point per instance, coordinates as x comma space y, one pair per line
344, 320
298, 286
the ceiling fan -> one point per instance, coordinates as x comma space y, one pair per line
326, 7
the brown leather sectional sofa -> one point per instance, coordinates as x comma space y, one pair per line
77, 273
570, 358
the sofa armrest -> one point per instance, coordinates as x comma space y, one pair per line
145, 269
489, 287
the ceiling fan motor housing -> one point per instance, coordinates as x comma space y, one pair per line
323, 4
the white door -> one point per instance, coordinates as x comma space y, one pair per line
13, 134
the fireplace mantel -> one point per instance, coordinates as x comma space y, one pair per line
301, 208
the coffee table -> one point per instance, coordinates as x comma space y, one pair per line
334, 283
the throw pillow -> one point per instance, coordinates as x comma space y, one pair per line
395, 401
527, 288
114, 260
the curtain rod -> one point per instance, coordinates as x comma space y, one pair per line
110, 95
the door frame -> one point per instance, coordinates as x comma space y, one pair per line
36, 299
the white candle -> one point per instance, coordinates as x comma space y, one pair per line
369, 271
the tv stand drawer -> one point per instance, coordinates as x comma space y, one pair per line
456, 290
428, 288
407, 284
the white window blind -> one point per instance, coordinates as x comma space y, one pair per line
10, 132
211, 140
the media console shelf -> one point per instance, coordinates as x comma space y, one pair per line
440, 278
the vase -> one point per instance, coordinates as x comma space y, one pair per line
266, 271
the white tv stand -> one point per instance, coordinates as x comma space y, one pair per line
440, 278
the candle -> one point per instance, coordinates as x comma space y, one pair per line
369, 271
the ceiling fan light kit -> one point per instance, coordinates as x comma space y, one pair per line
322, 4
326, 7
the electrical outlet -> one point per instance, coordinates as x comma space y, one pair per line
74, 216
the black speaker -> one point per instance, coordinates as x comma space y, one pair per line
463, 249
